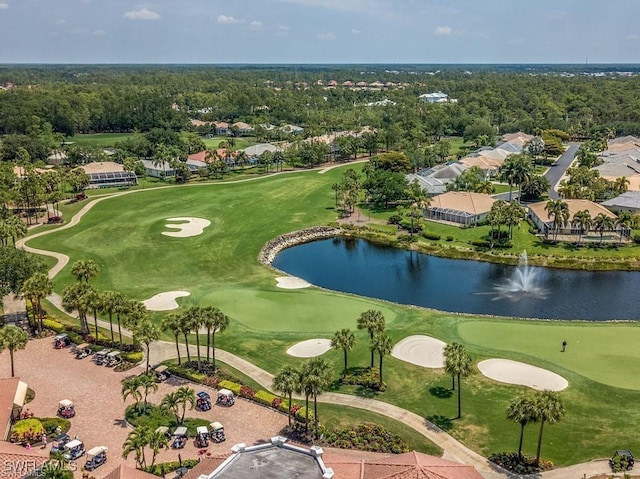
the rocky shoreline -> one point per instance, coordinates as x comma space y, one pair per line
272, 248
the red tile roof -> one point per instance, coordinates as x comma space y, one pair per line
128, 472
8, 388
17, 461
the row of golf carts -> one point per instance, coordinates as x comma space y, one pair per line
73, 449
107, 358
204, 434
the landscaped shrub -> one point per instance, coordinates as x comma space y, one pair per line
524, 464
265, 397
394, 220
212, 381
51, 424
365, 377
433, 236
302, 412
186, 373
163, 468
367, 437
53, 325
480, 243
406, 239
449, 238
231, 386
27, 431
636, 239
620, 463
246, 392
154, 417
134, 357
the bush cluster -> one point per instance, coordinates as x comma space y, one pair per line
163, 468
434, 236
27, 431
367, 437
51, 424
366, 377
522, 465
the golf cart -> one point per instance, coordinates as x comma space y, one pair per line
96, 457
60, 441
216, 432
162, 373
622, 460
179, 438
113, 359
83, 350
101, 357
66, 409
225, 398
73, 450
164, 430
203, 403
202, 436
61, 341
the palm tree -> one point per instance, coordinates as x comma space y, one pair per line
624, 222
458, 364
547, 408
603, 223
558, 211
521, 410
620, 185
485, 187
515, 170
345, 340
16, 228
318, 378
156, 441
172, 403
285, 382
514, 213
109, 306
131, 387
93, 301
85, 270
35, 288
450, 350
73, 300
193, 317
185, 329
303, 387
13, 339
582, 221
146, 332
136, 441
121, 308
148, 382
382, 345
187, 398
216, 322
171, 322
373, 321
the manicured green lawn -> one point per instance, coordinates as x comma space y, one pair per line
103, 140
240, 143
220, 267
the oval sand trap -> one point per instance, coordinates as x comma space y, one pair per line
291, 282
310, 348
189, 227
165, 301
420, 350
514, 372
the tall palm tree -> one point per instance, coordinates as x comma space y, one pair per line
318, 378
136, 441
13, 339
620, 185
285, 382
84, 270
558, 211
515, 170
373, 321
131, 387
156, 440
16, 228
216, 322
514, 213
382, 345
187, 397
459, 364
109, 306
623, 222
73, 300
450, 350
122, 305
171, 322
603, 223
303, 387
35, 288
345, 340
93, 302
521, 410
185, 329
547, 408
582, 221
172, 403
148, 383
193, 316
146, 332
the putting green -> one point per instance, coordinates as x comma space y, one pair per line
606, 353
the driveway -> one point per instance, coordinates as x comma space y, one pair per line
99, 421
556, 172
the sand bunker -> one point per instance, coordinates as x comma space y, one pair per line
165, 301
423, 351
310, 348
514, 372
190, 227
291, 282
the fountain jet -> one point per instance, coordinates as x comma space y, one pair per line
522, 283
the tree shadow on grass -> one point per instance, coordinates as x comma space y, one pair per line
440, 392
443, 422
364, 392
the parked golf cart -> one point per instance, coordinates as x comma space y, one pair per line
179, 438
73, 450
225, 398
59, 442
203, 403
113, 359
83, 350
164, 430
216, 432
101, 357
66, 409
202, 436
162, 373
61, 341
96, 457
622, 460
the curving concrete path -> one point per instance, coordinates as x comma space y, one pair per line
453, 449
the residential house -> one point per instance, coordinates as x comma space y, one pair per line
106, 174
291, 129
544, 222
242, 129
628, 201
221, 128
430, 185
255, 152
437, 97
57, 158
462, 207
384, 102
158, 170
127, 472
12, 395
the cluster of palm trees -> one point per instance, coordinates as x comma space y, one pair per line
85, 299
458, 363
139, 439
503, 213
192, 320
543, 407
558, 211
310, 379
13, 338
138, 388
11, 228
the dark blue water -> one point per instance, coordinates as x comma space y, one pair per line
364, 268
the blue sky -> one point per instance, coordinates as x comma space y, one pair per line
319, 31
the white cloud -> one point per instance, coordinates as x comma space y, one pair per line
326, 36
355, 32
228, 20
4, 6
283, 28
99, 33
256, 24
443, 31
633, 37
142, 14
343, 5
62, 21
